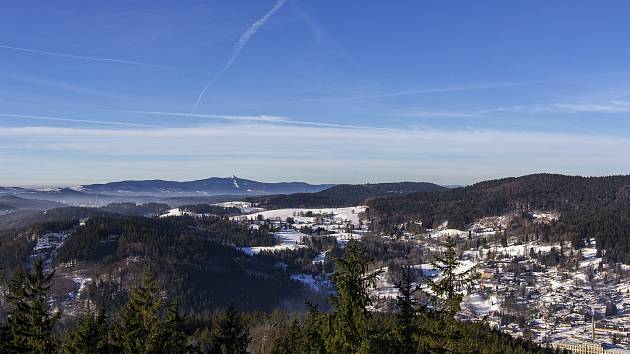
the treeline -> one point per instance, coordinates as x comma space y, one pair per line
24, 218
589, 207
211, 209
150, 323
17, 245
194, 259
122, 237
610, 227
146, 209
344, 195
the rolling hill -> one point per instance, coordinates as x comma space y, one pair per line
11, 202
345, 195
589, 207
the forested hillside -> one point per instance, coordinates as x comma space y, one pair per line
17, 245
344, 195
149, 322
596, 207
194, 259
23, 218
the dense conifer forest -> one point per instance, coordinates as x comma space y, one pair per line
344, 195
149, 322
196, 260
589, 207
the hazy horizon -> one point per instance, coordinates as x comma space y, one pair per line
324, 92
444, 184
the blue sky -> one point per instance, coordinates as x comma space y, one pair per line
322, 91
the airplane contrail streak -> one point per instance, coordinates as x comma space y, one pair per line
80, 57
88, 121
238, 47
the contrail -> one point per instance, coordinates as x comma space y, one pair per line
80, 57
238, 47
59, 119
260, 119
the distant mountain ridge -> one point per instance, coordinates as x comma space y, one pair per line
217, 189
205, 187
11, 202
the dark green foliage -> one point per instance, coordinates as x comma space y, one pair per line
21, 219
302, 336
193, 259
589, 207
447, 299
408, 309
147, 209
347, 329
90, 335
298, 260
345, 195
352, 328
230, 334
17, 245
120, 237
150, 323
29, 321
144, 328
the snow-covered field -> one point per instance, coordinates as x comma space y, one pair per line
245, 207
349, 214
288, 240
177, 212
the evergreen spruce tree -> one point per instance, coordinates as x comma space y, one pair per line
29, 321
446, 296
204, 340
172, 336
347, 328
408, 308
303, 337
90, 335
230, 335
312, 340
291, 342
141, 329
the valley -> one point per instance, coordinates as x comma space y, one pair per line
539, 278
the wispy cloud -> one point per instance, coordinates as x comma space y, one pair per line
277, 152
318, 33
73, 120
605, 106
252, 118
238, 47
460, 88
64, 86
238, 118
79, 57
439, 114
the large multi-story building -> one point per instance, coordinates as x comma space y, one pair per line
589, 348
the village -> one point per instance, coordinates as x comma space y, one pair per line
580, 303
